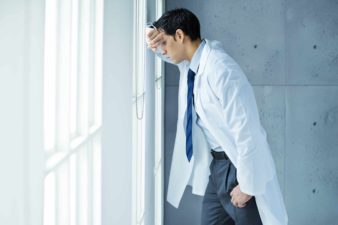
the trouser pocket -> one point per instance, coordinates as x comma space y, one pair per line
230, 178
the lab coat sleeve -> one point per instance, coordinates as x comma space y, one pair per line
235, 96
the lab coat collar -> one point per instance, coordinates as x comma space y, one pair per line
208, 47
195, 61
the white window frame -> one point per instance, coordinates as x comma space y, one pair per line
159, 130
143, 181
138, 124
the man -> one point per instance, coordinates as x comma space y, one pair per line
218, 120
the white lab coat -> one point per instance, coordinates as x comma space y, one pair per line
225, 102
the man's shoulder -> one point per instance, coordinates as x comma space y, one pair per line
218, 54
219, 64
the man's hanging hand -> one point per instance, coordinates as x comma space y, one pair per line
239, 198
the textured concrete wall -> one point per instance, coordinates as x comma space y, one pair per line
289, 52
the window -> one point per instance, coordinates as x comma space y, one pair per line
147, 122
159, 131
72, 111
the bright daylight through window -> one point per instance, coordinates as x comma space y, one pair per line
72, 111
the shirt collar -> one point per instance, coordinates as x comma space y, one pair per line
195, 61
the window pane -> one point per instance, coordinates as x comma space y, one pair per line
97, 180
72, 99
98, 59
49, 200
73, 191
63, 193
82, 187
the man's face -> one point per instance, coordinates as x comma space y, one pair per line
173, 49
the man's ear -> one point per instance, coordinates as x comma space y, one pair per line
180, 35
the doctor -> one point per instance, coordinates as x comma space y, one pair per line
221, 149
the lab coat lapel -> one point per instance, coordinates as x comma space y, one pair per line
197, 87
200, 108
184, 86
203, 60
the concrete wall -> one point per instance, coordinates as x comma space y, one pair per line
289, 52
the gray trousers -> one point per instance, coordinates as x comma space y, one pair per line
217, 208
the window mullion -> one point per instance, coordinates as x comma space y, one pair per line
84, 68
56, 159
50, 59
98, 40
63, 72
74, 67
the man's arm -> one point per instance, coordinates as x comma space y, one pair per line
255, 167
154, 41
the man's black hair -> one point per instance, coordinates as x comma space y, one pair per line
182, 19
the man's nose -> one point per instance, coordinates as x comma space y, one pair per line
164, 52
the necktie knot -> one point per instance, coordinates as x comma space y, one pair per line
191, 75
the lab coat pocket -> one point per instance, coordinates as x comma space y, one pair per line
230, 178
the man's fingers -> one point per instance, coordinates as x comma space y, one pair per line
241, 205
153, 38
153, 34
150, 32
238, 204
234, 202
157, 39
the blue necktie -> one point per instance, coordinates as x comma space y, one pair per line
188, 129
